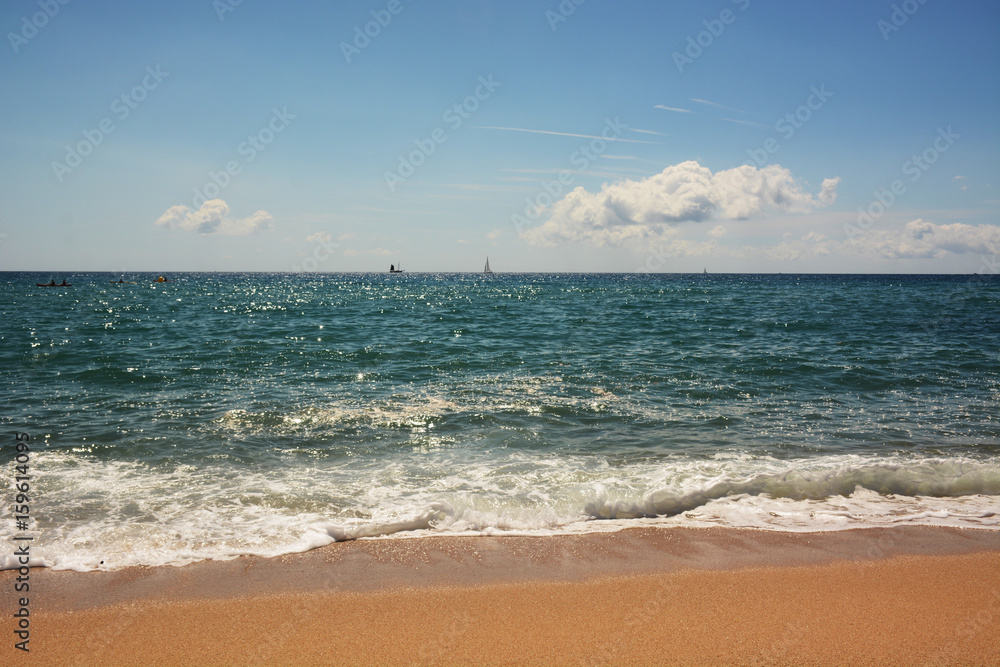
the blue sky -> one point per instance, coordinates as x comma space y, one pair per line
602, 136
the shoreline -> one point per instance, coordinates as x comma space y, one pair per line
732, 596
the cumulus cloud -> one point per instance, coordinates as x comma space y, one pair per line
828, 191
213, 218
686, 192
920, 239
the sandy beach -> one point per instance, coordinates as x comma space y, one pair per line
902, 596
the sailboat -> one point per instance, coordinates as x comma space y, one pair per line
393, 269
487, 269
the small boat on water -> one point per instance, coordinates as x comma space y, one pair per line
54, 284
487, 269
393, 269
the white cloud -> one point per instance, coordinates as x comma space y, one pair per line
716, 105
494, 234
319, 237
213, 218
922, 239
686, 192
743, 122
659, 134
562, 134
828, 191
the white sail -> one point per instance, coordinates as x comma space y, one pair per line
487, 269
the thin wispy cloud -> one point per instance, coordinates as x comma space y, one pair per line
659, 134
479, 189
562, 134
666, 108
466, 186
467, 197
744, 122
617, 174
375, 209
631, 170
526, 170
716, 105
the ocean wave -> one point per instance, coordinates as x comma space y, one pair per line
938, 492
937, 479
112, 514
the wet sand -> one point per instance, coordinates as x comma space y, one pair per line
901, 596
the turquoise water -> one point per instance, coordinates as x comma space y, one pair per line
223, 414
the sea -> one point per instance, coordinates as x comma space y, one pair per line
216, 415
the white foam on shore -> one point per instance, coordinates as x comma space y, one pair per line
95, 514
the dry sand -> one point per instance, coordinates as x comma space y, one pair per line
902, 596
